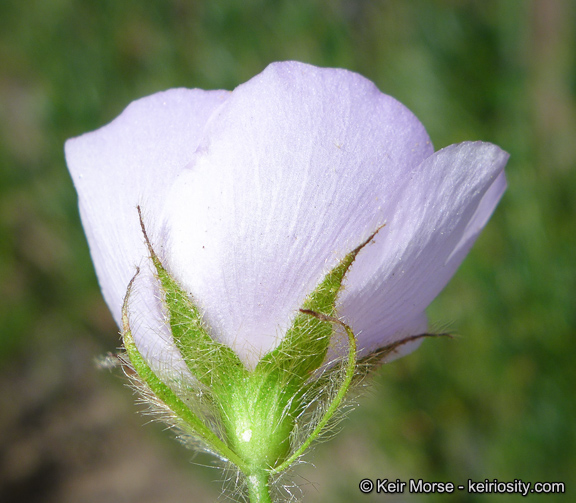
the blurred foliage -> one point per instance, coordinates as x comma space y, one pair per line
496, 402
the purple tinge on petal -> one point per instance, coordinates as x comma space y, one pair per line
297, 168
133, 160
443, 205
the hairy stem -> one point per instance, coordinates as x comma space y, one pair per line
258, 490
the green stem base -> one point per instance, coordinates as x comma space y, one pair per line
258, 489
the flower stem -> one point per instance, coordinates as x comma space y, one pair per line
258, 487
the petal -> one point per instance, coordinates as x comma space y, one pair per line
443, 205
133, 160
479, 219
297, 168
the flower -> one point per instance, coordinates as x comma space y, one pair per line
234, 234
250, 197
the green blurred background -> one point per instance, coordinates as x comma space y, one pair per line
496, 402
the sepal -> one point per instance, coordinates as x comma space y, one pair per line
184, 416
253, 416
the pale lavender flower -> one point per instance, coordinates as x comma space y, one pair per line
250, 197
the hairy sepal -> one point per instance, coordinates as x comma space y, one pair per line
256, 408
184, 416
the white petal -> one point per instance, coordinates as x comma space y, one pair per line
133, 160
295, 170
442, 207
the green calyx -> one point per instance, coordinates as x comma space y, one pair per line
254, 413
